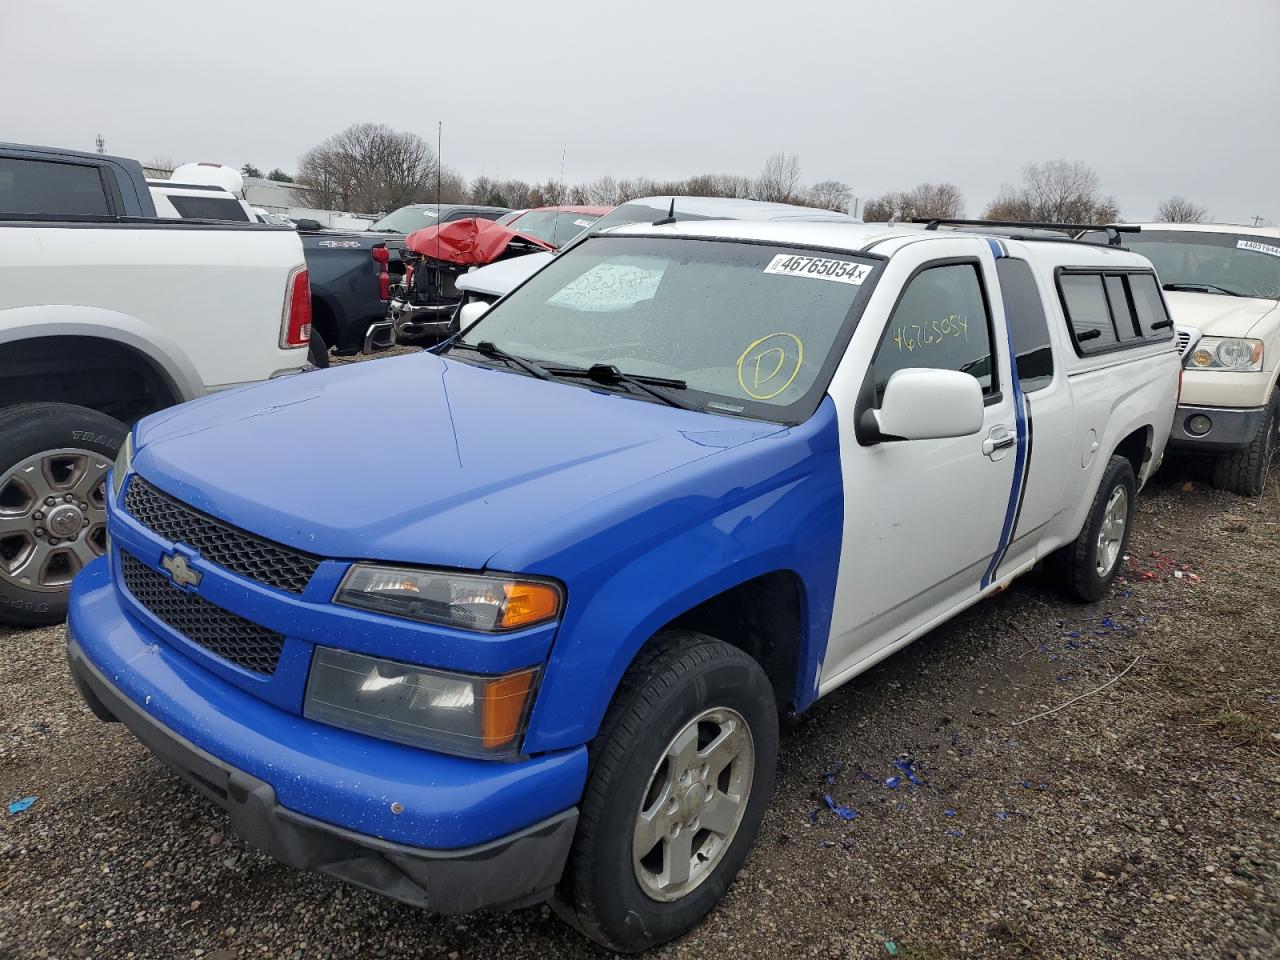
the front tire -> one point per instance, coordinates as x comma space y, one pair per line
681, 773
54, 459
1245, 471
1085, 568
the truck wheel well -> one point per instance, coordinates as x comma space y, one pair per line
1136, 448
103, 375
763, 618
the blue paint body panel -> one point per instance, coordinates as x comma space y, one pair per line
640, 510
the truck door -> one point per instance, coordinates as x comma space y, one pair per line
1048, 414
924, 518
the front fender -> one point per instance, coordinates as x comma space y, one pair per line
777, 504
62, 320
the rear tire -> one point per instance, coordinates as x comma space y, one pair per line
662, 832
1245, 471
317, 351
1085, 568
58, 452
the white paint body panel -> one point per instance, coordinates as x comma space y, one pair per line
206, 304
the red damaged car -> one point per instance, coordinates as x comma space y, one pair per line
424, 306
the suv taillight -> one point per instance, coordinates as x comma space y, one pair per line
381, 256
295, 327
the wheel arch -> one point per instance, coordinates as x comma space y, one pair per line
50, 339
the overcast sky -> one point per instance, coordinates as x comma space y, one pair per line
1159, 96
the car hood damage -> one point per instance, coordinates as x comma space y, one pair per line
423, 460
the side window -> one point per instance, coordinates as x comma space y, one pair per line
940, 322
1121, 312
1087, 311
1027, 323
1149, 306
208, 208
460, 215
50, 188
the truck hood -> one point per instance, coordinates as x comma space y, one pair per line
499, 279
1218, 315
418, 459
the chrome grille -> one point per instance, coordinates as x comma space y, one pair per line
268, 563
219, 631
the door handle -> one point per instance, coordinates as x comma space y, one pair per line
998, 441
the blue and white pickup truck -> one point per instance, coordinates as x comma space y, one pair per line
688, 476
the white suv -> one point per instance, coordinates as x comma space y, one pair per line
1222, 283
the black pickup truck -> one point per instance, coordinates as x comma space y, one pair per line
352, 273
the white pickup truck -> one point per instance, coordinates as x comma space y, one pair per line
1222, 283
108, 313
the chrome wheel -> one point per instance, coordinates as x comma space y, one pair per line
694, 803
53, 517
1111, 534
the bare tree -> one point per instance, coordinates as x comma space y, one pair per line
1056, 191
1181, 210
779, 179
368, 167
1010, 204
923, 200
829, 195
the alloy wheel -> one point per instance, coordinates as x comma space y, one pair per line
694, 804
53, 517
1111, 533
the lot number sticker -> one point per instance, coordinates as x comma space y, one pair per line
1257, 247
818, 268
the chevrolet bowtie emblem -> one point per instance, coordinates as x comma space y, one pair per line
180, 571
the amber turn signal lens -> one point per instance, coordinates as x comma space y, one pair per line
504, 704
528, 603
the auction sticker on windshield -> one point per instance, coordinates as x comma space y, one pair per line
818, 268
1257, 247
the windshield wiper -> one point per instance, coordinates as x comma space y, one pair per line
607, 374
486, 348
1201, 288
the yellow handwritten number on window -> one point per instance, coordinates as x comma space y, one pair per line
765, 362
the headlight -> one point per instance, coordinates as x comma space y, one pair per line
123, 464
1226, 353
471, 601
456, 713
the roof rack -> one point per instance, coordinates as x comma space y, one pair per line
1074, 230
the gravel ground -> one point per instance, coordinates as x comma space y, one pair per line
1142, 821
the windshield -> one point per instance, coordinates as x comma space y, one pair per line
406, 220
750, 329
557, 227
1247, 266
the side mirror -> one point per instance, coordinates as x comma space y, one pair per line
927, 404
471, 312
306, 224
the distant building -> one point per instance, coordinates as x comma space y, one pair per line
287, 199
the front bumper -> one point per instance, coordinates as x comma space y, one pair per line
419, 322
1232, 428
511, 871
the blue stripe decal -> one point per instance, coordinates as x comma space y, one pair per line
1020, 458
997, 248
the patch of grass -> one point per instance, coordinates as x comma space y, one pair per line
1242, 728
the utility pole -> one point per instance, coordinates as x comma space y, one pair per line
1257, 221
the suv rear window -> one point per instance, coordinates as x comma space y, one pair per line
208, 208
50, 188
1109, 309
